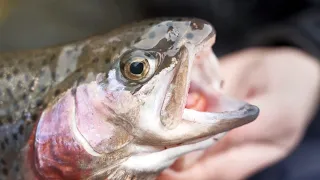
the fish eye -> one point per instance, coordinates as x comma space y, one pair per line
136, 69
138, 66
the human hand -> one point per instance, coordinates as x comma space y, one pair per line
284, 83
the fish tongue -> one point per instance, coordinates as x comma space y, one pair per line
196, 101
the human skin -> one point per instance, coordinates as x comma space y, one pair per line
284, 83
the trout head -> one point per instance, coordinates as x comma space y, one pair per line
131, 119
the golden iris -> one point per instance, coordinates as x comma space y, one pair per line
136, 69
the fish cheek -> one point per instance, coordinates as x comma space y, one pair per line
119, 138
52, 150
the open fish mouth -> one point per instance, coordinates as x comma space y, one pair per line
206, 103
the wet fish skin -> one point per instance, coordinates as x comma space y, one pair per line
84, 117
32, 80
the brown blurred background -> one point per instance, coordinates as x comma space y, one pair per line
37, 23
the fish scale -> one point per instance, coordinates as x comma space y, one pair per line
25, 94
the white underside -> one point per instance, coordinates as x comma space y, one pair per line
158, 161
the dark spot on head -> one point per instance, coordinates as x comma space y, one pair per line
21, 129
189, 35
9, 77
170, 28
113, 48
15, 136
5, 171
194, 25
152, 35
15, 71
56, 92
3, 146
164, 44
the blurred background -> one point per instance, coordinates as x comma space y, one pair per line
29, 24
26, 24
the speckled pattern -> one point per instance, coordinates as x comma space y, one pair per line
32, 80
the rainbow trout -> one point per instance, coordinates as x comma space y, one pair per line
113, 106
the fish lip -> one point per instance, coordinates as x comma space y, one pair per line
245, 114
249, 111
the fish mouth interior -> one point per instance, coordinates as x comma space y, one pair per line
197, 88
207, 84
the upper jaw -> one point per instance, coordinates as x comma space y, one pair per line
166, 102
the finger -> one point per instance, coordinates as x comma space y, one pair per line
242, 161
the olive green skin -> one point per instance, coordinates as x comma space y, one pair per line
32, 80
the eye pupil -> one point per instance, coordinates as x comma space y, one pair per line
136, 67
